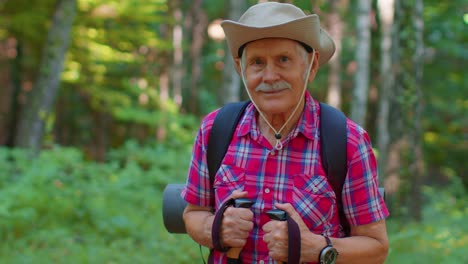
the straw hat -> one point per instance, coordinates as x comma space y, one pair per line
278, 20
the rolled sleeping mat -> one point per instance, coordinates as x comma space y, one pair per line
382, 192
173, 208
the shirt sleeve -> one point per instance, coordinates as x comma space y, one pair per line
362, 201
197, 190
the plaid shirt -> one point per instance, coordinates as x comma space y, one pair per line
292, 175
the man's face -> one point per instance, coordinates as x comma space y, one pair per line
277, 62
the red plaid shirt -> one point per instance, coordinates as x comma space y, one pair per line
292, 175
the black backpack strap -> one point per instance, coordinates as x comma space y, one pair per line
333, 139
224, 125
223, 128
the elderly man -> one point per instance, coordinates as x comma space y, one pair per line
274, 156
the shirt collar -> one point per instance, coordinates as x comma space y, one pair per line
307, 124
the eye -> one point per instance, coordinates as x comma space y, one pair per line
284, 59
257, 61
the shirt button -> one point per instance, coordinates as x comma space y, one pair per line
267, 190
272, 153
261, 262
225, 178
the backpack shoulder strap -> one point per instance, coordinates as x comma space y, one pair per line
333, 139
224, 125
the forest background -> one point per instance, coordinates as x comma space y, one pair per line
100, 101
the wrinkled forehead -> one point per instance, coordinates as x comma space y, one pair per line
279, 43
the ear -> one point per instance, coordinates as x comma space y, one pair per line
315, 66
237, 65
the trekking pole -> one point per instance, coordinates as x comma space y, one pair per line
234, 253
279, 215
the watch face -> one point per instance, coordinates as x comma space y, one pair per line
328, 256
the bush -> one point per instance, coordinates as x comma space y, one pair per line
442, 236
61, 208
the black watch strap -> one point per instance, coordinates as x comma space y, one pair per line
329, 243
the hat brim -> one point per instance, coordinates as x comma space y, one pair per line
306, 30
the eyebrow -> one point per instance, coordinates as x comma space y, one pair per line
308, 48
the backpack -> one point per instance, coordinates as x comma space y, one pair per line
333, 139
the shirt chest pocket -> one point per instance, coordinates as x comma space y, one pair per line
314, 199
228, 179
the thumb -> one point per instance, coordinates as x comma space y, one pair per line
238, 194
288, 208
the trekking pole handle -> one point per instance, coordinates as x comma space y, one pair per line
234, 253
279, 215
243, 203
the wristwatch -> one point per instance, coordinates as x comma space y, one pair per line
328, 254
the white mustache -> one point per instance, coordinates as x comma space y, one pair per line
277, 86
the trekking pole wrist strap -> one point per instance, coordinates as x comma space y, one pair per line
294, 234
216, 227
294, 241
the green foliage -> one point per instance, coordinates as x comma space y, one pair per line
118, 51
116, 55
61, 208
442, 237
446, 95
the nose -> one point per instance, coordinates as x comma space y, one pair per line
270, 74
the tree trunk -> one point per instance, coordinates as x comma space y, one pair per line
11, 55
15, 106
40, 102
417, 167
396, 115
100, 139
8, 58
387, 83
5, 103
165, 60
361, 81
177, 37
397, 128
335, 28
231, 79
199, 24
